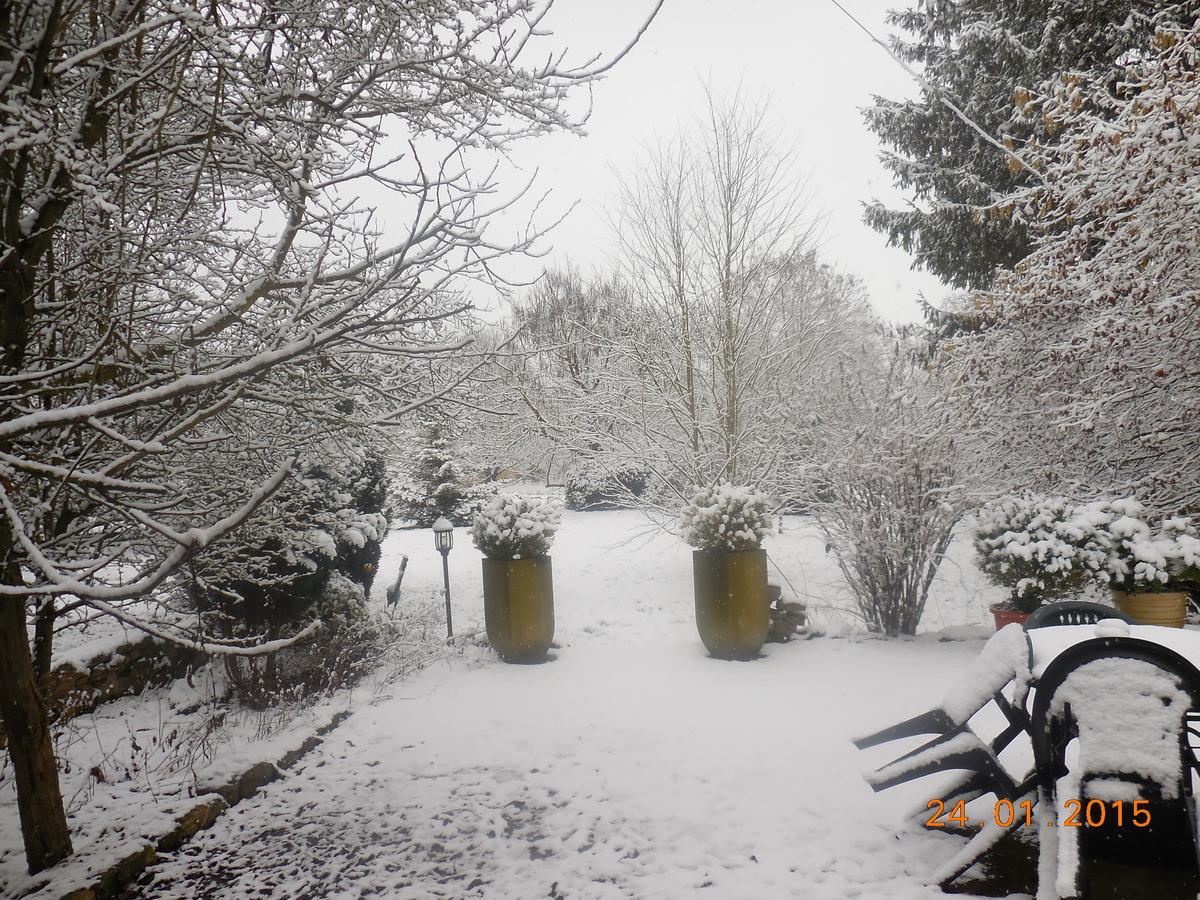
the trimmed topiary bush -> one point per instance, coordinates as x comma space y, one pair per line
515, 527
1040, 548
725, 517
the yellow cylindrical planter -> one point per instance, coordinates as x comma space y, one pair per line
518, 607
1168, 608
731, 601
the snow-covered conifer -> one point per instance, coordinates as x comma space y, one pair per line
980, 55
435, 482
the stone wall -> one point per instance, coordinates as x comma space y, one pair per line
128, 670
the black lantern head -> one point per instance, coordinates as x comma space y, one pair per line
443, 535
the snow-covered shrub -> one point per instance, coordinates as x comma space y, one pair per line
725, 517
890, 483
436, 484
268, 575
337, 655
1139, 557
595, 484
1039, 548
515, 527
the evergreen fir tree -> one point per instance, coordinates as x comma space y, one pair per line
984, 56
436, 483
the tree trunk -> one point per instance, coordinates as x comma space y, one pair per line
39, 799
43, 645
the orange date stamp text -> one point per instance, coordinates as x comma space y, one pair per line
1092, 813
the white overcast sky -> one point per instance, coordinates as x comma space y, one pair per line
816, 69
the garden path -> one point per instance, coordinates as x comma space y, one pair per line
628, 765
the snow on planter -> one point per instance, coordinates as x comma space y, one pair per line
515, 534
726, 524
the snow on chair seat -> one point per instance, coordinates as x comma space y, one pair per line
1127, 705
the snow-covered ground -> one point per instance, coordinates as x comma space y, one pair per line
629, 765
130, 768
618, 578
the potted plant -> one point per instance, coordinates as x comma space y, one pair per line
514, 533
1147, 568
726, 524
1039, 548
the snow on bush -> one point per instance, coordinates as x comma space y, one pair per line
1037, 547
1139, 557
269, 573
594, 484
725, 517
515, 527
1040, 547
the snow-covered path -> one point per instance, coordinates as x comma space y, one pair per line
629, 765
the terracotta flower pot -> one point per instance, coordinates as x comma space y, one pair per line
1008, 616
1167, 608
731, 601
518, 607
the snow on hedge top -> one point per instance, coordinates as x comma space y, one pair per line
725, 517
516, 527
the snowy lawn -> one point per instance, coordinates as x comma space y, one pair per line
629, 765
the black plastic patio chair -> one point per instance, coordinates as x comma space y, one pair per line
1074, 612
1170, 840
954, 747
940, 723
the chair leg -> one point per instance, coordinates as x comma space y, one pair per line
936, 721
955, 751
1068, 870
1047, 846
981, 843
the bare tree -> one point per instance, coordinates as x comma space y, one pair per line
183, 246
719, 321
730, 312
565, 327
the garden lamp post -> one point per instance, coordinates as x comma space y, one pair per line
443, 539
